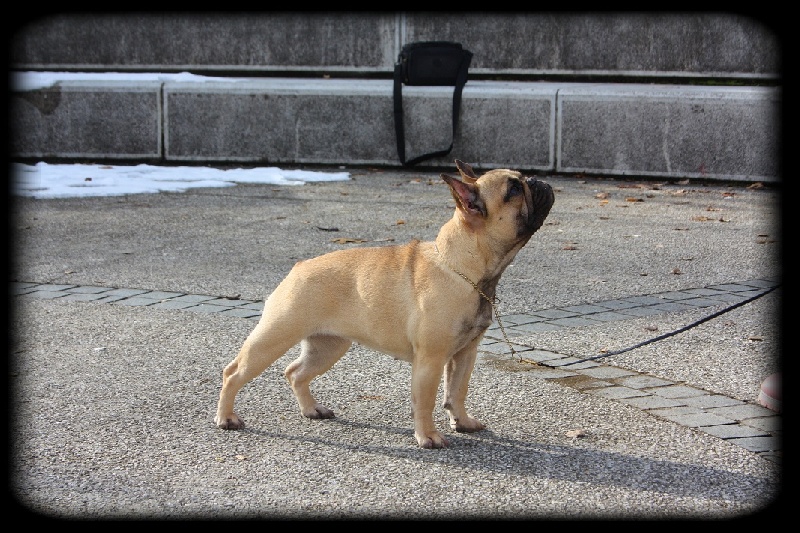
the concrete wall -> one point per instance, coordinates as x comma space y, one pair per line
548, 92
530, 44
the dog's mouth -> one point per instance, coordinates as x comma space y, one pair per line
539, 197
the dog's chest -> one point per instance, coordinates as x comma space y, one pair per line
477, 322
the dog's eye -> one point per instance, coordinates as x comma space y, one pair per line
514, 189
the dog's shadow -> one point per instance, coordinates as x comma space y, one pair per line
488, 451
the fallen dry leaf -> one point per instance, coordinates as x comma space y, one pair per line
756, 185
345, 240
677, 271
701, 218
601, 195
399, 222
755, 338
576, 433
632, 199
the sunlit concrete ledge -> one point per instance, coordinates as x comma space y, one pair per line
729, 133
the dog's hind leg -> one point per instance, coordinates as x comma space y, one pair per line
318, 354
261, 348
456, 382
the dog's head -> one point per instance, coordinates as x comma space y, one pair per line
502, 202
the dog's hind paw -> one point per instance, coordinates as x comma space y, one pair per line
319, 412
230, 422
467, 425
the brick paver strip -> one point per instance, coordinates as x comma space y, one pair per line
766, 423
82, 297
708, 401
676, 411
585, 309
573, 322
88, 289
537, 327
609, 316
729, 431
676, 391
651, 402
125, 293
700, 419
640, 382
641, 311
240, 313
758, 444
616, 304
137, 301
173, 304
617, 393
514, 320
672, 307
606, 372
554, 313
196, 298
47, 295
742, 412
702, 302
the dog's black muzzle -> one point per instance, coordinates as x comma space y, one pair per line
539, 196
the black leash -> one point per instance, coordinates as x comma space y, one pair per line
671, 333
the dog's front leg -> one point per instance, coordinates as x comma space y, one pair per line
456, 384
426, 374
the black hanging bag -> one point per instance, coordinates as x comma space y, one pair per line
429, 63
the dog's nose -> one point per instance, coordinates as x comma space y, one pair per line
543, 199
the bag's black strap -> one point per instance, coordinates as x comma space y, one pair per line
399, 128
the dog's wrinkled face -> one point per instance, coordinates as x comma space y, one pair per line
503, 202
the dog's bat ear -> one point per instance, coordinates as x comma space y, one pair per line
466, 195
466, 172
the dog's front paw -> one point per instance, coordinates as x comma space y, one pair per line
318, 411
433, 439
467, 425
230, 421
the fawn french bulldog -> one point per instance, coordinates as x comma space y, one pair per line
428, 303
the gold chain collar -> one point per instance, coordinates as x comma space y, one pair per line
491, 301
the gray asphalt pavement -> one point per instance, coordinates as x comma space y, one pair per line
113, 394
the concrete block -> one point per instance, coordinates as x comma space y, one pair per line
607, 44
331, 121
87, 119
280, 120
679, 131
209, 42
